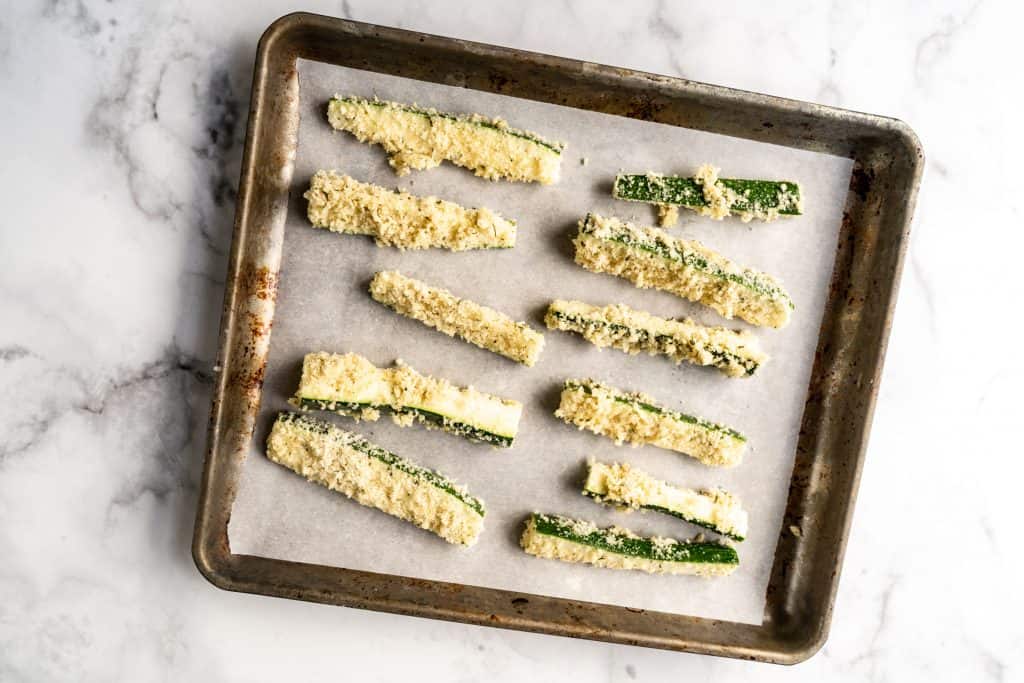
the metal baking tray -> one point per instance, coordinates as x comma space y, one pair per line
888, 162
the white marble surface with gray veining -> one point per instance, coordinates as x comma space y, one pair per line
122, 126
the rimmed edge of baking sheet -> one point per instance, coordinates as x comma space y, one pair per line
888, 162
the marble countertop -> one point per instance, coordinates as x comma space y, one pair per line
122, 126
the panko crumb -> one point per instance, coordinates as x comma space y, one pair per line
668, 215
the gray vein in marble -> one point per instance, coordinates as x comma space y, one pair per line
106, 126
926, 289
990, 534
154, 98
660, 27
135, 101
937, 44
939, 167
82, 22
14, 352
829, 92
223, 115
173, 361
167, 469
994, 667
871, 650
22, 436
216, 281
5, 46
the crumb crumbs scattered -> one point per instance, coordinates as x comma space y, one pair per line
668, 215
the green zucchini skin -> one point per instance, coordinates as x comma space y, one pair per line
435, 479
661, 244
419, 139
445, 423
653, 259
751, 196
695, 521
657, 508
347, 463
619, 543
723, 359
625, 487
589, 387
633, 417
556, 147
682, 344
352, 385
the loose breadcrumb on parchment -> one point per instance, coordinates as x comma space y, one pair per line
668, 215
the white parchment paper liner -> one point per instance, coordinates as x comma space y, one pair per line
323, 304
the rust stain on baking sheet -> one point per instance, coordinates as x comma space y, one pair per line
250, 382
258, 326
861, 181
499, 83
261, 283
258, 291
643, 107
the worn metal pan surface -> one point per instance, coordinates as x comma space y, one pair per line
888, 162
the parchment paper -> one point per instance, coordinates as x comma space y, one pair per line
323, 304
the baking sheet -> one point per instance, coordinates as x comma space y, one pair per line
323, 305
